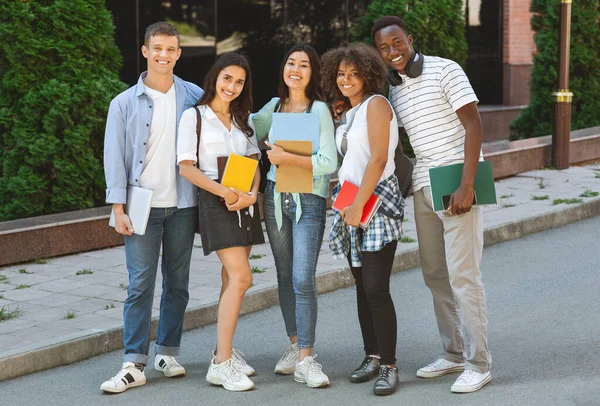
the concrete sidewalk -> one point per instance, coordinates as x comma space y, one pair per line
70, 308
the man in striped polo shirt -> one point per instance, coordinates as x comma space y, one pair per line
437, 107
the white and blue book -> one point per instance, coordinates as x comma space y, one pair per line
296, 127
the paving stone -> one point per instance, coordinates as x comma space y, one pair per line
23, 295
60, 285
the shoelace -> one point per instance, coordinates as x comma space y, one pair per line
466, 376
366, 362
290, 353
313, 366
237, 357
386, 372
231, 370
170, 361
117, 378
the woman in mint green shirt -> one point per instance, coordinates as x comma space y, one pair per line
296, 221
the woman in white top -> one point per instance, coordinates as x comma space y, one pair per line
229, 219
367, 141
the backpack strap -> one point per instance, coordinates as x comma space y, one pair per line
198, 132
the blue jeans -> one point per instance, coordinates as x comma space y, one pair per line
296, 252
175, 229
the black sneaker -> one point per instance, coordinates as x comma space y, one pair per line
388, 381
367, 370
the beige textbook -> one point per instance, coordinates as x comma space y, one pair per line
291, 178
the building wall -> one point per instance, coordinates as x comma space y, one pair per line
518, 51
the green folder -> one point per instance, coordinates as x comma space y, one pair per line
445, 180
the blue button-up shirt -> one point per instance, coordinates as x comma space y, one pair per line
126, 140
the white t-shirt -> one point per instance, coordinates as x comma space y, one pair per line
359, 152
215, 141
159, 166
426, 107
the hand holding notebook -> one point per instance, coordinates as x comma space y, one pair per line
346, 197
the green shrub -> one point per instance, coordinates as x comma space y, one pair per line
59, 70
536, 119
437, 28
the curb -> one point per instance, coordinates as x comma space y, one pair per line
99, 342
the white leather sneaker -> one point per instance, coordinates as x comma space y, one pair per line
128, 377
168, 365
228, 376
440, 367
287, 363
240, 363
310, 372
471, 381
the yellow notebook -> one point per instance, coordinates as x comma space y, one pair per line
290, 178
239, 172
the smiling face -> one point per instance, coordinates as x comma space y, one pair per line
395, 47
230, 83
162, 52
350, 83
297, 70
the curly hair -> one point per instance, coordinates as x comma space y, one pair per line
371, 69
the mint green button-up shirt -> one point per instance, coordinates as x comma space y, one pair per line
324, 161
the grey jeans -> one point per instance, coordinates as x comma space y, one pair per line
450, 248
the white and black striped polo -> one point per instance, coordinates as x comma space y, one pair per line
426, 107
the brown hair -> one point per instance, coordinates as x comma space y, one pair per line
160, 28
241, 106
371, 69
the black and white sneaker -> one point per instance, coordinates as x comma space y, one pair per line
128, 377
168, 365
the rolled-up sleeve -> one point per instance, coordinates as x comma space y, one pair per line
115, 170
187, 140
325, 160
252, 148
263, 118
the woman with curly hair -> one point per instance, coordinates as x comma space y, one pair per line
367, 139
295, 222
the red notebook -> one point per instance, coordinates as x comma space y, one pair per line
346, 197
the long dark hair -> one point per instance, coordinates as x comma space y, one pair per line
314, 90
241, 106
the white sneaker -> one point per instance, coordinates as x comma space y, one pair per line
287, 363
471, 381
227, 375
168, 365
309, 371
128, 377
440, 367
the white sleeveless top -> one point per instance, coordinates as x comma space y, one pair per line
359, 152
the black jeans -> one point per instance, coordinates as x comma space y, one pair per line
376, 312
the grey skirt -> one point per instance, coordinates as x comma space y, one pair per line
220, 228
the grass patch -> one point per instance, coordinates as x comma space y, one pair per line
24, 270
541, 197
84, 272
256, 269
597, 175
589, 193
508, 205
7, 314
566, 201
197, 246
123, 286
41, 261
547, 168
109, 306
407, 239
541, 184
256, 256
3, 278
506, 196
69, 315
405, 220
1, 296
22, 286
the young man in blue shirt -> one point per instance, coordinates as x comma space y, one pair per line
140, 150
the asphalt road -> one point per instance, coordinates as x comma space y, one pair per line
544, 336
